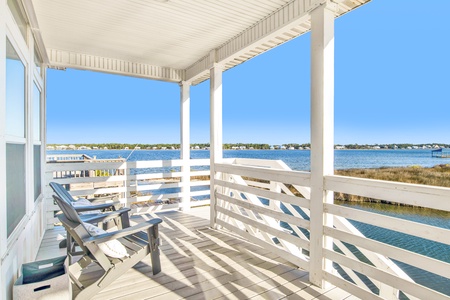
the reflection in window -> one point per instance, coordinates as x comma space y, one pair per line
36, 114
15, 93
37, 170
15, 185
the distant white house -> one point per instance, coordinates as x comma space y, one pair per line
283, 147
339, 147
50, 148
105, 148
137, 148
72, 147
95, 148
61, 147
126, 148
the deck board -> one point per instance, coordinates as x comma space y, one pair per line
201, 263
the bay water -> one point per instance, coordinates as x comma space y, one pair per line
344, 159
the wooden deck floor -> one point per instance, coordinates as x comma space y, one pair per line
201, 263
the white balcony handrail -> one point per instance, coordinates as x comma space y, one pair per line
247, 182
130, 182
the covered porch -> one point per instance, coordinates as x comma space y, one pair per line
261, 230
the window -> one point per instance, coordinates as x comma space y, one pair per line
37, 171
37, 141
36, 114
15, 185
15, 142
15, 93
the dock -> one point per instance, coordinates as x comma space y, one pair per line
440, 153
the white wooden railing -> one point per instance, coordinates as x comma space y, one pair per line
267, 203
143, 185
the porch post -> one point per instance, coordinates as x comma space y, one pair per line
185, 101
3, 210
322, 134
216, 153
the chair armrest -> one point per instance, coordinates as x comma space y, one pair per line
79, 208
102, 217
104, 199
121, 233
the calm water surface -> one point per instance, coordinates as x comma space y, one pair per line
344, 159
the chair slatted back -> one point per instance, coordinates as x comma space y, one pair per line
61, 192
67, 209
75, 227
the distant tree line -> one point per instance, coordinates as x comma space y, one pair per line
118, 146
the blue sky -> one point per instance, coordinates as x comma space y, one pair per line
392, 79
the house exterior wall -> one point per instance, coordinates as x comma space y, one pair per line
21, 230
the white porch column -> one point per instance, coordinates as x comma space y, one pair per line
322, 134
185, 145
3, 206
216, 153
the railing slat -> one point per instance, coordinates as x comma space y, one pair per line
420, 261
266, 211
291, 177
294, 200
404, 285
425, 231
405, 193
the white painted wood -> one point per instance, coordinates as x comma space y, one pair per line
216, 152
243, 29
185, 144
406, 193
286, 255
302, 243
420, 261
115, 184
265, 193
291, 177
322, 134
356, 291
424, 231
378, 260
404, 285
260, 209
77, 60
3, 211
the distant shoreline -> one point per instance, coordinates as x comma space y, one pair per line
243, 146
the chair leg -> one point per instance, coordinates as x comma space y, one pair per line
153, 243
125, 220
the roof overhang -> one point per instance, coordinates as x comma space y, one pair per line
169, 40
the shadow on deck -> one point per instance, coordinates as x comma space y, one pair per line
201, 263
